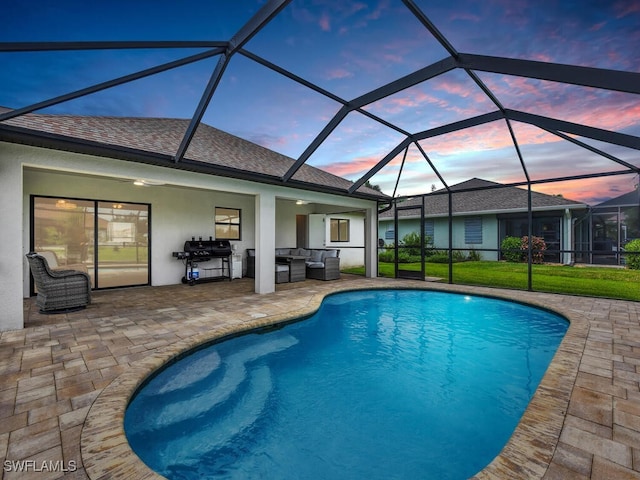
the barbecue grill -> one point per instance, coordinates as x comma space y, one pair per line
198, 251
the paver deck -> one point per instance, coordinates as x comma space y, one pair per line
66, 378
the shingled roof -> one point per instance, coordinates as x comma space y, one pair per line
489, 197
629, 199
156, 141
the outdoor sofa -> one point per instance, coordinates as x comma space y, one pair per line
320, 263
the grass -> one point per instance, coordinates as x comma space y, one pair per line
126, 254
592, 281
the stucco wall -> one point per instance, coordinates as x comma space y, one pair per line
441, 233
351, 252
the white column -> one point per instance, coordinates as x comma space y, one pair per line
371, 243
567, 244
12, 260
265, 243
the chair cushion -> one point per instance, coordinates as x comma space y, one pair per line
329, 254
301, 252
316, 255
315, 264
283, 251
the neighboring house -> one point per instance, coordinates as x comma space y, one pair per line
109, 192
482, 218
613, 224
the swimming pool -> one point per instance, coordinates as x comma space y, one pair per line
378, 383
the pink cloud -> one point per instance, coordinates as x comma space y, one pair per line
542, 57
626, 8
589, 191
324, 22
352, 168
338, 73
453, 88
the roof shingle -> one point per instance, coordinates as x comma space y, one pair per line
163, 136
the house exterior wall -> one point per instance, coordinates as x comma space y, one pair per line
352, 251
441, 233
182, 208
491, 233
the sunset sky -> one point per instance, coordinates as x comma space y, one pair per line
350, 48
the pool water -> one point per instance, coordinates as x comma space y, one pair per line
378, 384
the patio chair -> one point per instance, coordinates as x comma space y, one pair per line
324, 265
59, 290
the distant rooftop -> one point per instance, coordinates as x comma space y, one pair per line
482, 196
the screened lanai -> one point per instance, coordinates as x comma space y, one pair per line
411, 97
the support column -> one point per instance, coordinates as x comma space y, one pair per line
371, 243
12, 260
265, 243
567, 238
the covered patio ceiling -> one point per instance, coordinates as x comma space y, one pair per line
409, 95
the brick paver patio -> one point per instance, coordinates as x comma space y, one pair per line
66, 378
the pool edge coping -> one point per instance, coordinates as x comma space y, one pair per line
106, 452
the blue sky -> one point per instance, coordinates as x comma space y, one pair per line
350, 48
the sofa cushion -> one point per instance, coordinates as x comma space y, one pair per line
315, 264
316, 255
329, 254
283, 251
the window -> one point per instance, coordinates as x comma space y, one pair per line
227, 223
390, 234
339, 230
473, 230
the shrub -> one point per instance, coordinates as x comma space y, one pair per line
474, 256
633, 254
411, 242
387, 256
432, 252
512, 249
439, 257
458, 256
407, 257
538, 246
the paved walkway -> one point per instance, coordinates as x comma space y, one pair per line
66, 378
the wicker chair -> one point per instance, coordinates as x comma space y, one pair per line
59, 290
328, 268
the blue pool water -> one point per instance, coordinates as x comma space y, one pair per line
378, 384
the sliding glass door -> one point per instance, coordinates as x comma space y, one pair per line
122, 244
108, 240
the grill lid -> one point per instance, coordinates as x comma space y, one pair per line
208, 248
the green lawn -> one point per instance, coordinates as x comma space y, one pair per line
126, 254
592, 281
